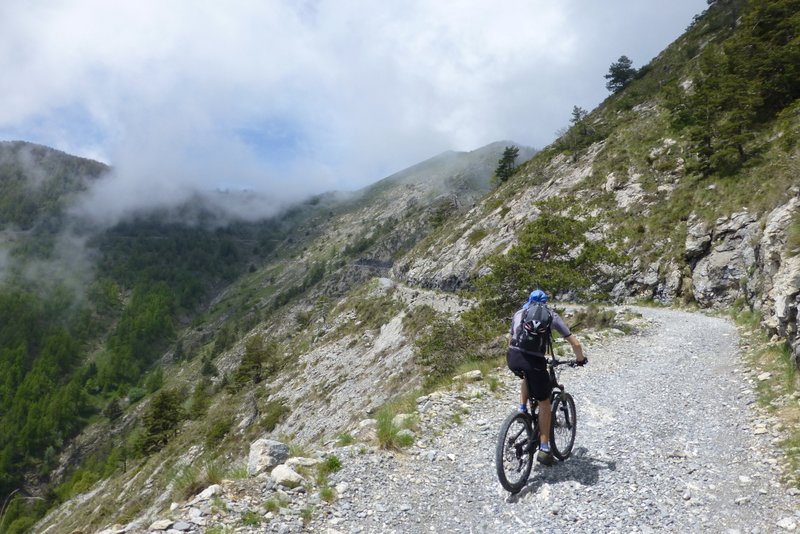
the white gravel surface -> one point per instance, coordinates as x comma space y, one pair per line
669, 440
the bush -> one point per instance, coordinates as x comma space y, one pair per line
251, 519
446, 345
272, 414
112, 410
200, 400
593, 317
191, 480
476, 236
187, 483
327, 494
219, 429
261, 359
136, 394
330, 465
345, 439
154, 380
389, 436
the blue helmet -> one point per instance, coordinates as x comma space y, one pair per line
537, 295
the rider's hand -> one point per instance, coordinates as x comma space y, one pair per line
581, 363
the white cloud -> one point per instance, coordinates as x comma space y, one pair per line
292, 97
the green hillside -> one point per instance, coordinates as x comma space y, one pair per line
183, 328
159, 291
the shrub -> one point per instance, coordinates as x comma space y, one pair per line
200, 400
331, 464
154, 380
112, 410
251, 519
389, 436
345, 439
136, 394
306, 514
327, 494
276, 503
218, 430
417, 318
447, 344
261, 359
593, 317
476, 236
192, 479
188, 482
552, 252
272, 414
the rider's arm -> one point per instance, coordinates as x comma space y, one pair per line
576, 346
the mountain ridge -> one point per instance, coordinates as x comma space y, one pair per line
388, 275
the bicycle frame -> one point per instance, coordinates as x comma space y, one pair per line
552, 363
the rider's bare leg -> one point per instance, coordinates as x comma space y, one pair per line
523, 392
544, 421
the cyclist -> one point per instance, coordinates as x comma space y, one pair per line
533, 364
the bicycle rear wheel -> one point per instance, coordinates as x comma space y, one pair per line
514, 452
565, 420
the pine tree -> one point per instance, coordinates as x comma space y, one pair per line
578, 121
113, 410
505, 166
620, 74
161, 420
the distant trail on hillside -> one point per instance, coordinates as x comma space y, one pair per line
669, 439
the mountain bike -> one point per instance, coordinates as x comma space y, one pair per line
518, 440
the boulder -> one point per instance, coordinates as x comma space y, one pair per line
265, 454
367, 430
302, 462
469, 376
406, 433
206, 494
631, 195
286, 476
161, 524
402, 419
669, 289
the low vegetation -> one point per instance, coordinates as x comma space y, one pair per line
778, 385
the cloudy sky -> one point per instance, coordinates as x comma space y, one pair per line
289, 97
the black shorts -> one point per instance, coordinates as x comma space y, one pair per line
535, 368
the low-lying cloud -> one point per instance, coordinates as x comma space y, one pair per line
290, 98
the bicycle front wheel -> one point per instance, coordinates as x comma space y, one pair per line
565, 420
514, 452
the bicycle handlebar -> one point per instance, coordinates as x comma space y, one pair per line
572, 363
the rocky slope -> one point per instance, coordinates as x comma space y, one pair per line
654, 453
343, 298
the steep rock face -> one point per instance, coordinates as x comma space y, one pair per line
739, 259
698, 239
719, 275
776, 292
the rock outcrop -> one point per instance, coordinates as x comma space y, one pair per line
719, 276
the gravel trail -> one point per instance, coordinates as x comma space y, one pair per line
668, 440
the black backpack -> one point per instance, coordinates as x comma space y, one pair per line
534, 332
